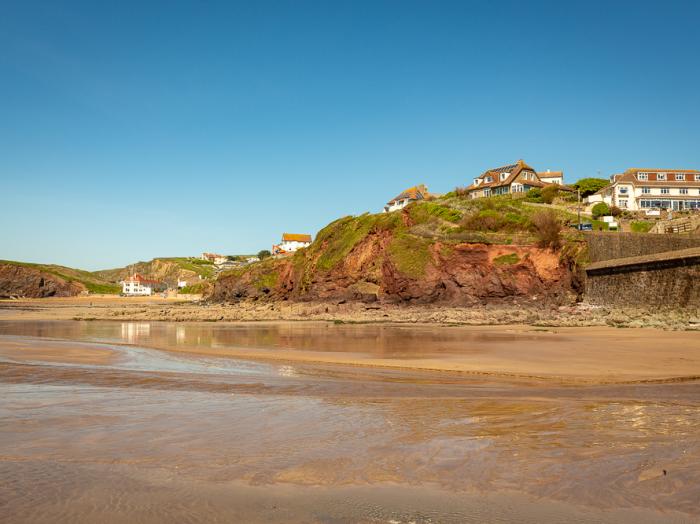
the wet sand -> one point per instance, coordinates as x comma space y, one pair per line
289, 422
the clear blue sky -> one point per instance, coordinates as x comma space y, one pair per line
134, 130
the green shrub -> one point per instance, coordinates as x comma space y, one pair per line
547, 227
534, 195
549, 193
600, 209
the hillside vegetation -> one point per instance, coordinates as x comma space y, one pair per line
449, 249
167, 269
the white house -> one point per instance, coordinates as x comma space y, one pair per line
214, 257
290, 243
412, 194
645, 189
551, 177
137, 285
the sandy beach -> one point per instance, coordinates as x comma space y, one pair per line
284, 421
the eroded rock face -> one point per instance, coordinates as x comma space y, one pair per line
19, 281
461, 274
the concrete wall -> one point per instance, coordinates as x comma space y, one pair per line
606, 246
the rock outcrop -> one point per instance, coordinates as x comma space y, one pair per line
20, 281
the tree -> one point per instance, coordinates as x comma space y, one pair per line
588, 186
600, 209
615, 211
549, 193
263, 254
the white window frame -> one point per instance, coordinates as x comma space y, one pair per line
660, 176
680, 176
643, 176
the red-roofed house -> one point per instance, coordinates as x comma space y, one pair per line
412, 194
644, 189
137, 285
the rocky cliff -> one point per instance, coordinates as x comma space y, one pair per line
21, 281
414, 256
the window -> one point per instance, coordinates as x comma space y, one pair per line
697, 178
683, 191
664, 191
504, 176
646, 191
623, 190
488, 179
623, 202
661, 176
680, 176
643, 176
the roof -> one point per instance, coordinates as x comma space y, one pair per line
418, 192
630, 176
548, 174
141, 280
513, 171
294, 237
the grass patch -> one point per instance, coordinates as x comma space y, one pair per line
641, 226
194, 289
410, 254
506, 260
421, 212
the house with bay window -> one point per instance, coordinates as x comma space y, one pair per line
642, 189
513, 178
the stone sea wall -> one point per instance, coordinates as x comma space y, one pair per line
655, 278
606, 246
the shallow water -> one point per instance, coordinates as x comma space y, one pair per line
92, 429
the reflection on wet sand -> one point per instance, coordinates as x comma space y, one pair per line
151, 436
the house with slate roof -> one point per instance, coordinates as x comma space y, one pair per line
516, 178
412, 194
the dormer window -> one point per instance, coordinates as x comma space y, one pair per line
680, 176
643, 176
504, 176
697, 178
661, 176
477, 181
488, 179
